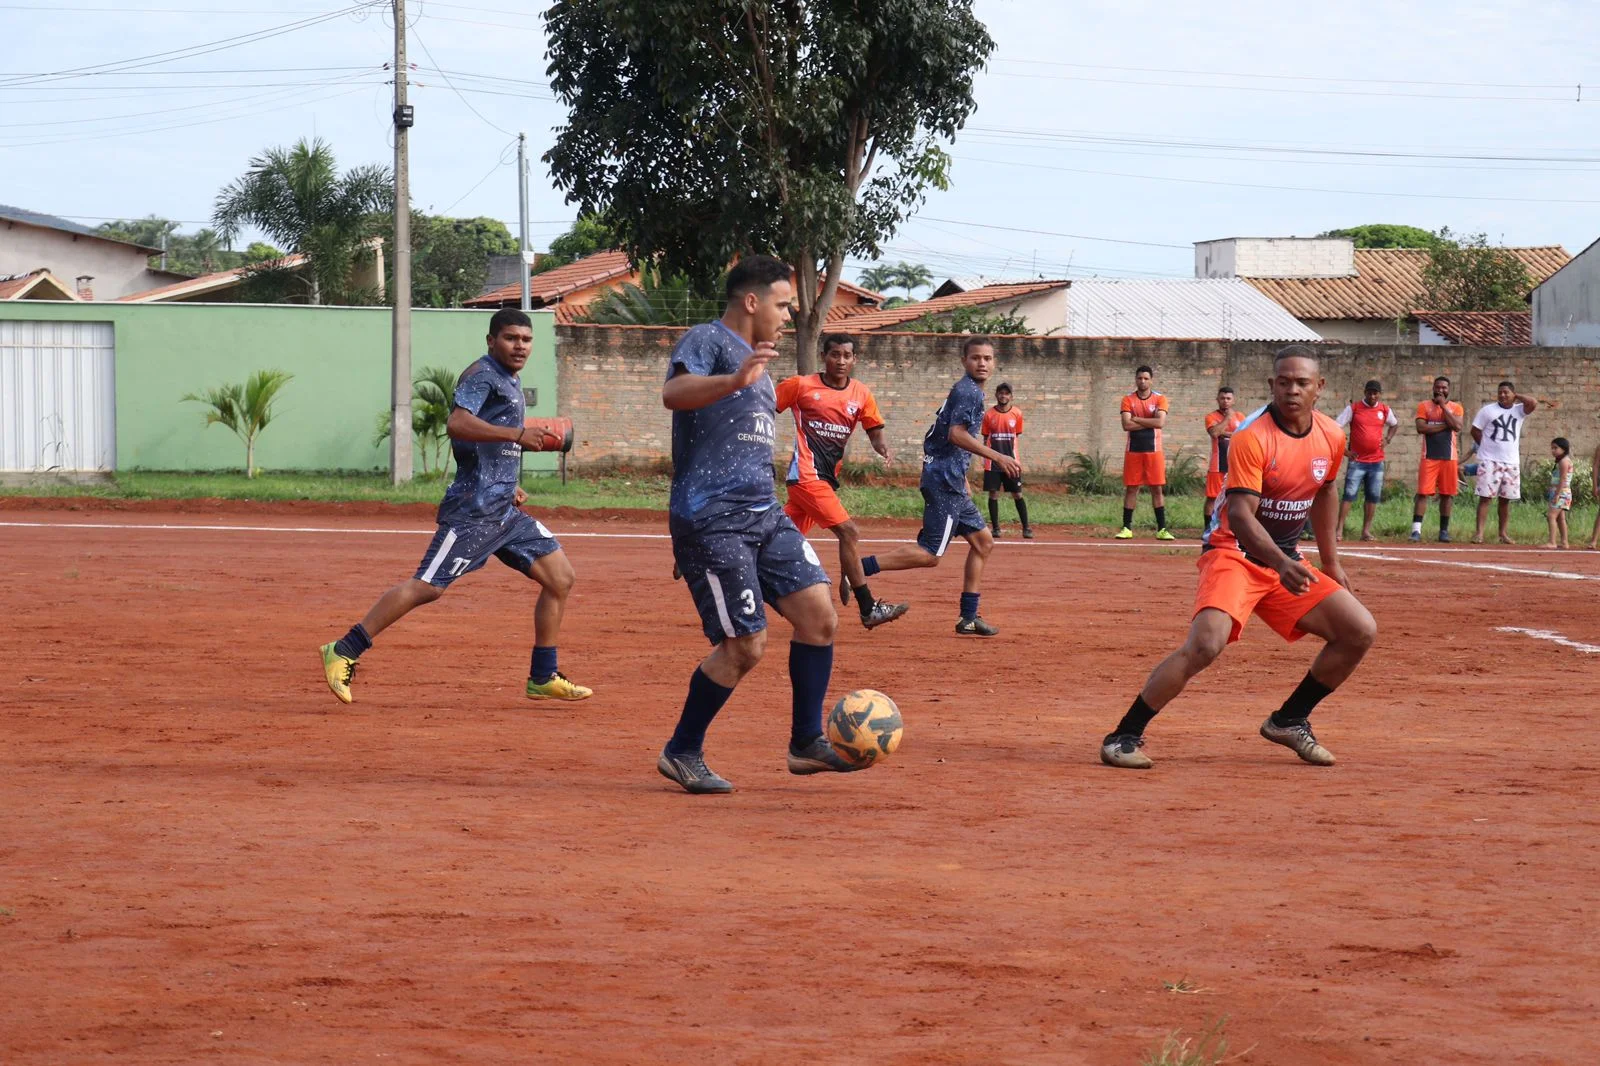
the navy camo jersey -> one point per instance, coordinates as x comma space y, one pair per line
721, 454
487, 472
944, 463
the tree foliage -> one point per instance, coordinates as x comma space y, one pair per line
1468, 274
589, 234
1386, 235
246, 409
673, 300
973, 320
879, 278
701, 129
297, 197
201, 252
450, 257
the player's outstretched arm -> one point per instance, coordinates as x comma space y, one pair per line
962, 439
688, 391
464, 425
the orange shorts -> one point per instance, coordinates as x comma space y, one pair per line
814, 503
1144, 468
1213, 484
1231, 583
1438, 477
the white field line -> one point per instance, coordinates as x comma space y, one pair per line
1558, 575
1552, 636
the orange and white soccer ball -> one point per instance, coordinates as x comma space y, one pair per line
865, 727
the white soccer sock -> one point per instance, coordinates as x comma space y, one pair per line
1416, 525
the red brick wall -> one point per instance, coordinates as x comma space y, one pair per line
609, 383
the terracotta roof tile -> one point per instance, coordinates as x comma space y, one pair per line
17, 287
551, 285
1388, 283
1481, 329
990, 294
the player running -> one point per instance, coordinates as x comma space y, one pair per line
1002, 430
1439, 423
827, 408
947, 508
1282, 467
1144, 413
481, 516
737, 550
1220, 427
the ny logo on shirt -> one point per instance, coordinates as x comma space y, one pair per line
1503, 428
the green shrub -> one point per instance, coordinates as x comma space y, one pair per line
1186, 474
1087, 475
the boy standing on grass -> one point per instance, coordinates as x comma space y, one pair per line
481, 516
947, 507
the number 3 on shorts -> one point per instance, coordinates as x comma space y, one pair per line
747, 599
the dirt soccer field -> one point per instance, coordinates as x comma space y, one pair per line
207, 858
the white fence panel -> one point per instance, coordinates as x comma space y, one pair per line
58, 396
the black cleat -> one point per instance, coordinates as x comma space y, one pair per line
975, 627
1027, 532
883, 612
818, 757
692, 773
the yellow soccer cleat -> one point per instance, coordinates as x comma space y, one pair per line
1162, 534
339, 671
1125, 534
557, 688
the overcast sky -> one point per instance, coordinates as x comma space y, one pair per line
1154, 121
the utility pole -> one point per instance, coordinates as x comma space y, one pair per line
400, 369
522, 219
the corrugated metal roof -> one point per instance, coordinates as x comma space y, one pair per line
1388, 283
1188, 308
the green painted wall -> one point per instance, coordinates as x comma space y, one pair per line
339, 357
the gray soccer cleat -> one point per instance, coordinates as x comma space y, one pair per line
1414, 536
883, 612
692, 773
818, 757
1122, 749
1297, 737
975, 627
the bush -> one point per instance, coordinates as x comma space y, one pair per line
1087, 475
1186, 474
1538, 474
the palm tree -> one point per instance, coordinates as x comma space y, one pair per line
296, 197
434, 391
246, 409
910, 276
655, 301
878, 278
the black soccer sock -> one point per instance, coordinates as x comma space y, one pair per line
1137, 718
1301, 701
1022, 511
994, 513
863, 597
353, 643
810, 670
705, 699
1444, 522
542, 667
1416, 518
969, 605
1127, 518
1161, 518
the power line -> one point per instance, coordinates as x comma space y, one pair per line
502, 161
1289, 77
169, 110
1575, 96
429, 53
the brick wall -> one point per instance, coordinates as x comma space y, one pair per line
1069, 389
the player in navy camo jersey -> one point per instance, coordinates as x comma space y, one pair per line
735, 548
481, 516
947, 507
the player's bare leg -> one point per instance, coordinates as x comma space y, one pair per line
555, 576
971, 623
1368, 511
853, 580
1505, 520
339, 658
1349, 630
1594, 537
1483, 518
1208, 636
1344, 513
907, 557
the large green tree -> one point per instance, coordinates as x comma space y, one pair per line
702, 129
297, 198
589, 234
1385, 235
201, 252
450, 257
1467, 273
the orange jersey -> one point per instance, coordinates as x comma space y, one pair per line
1219, 445
1283, 472
1440, 445
824, 418
1001, 430
1142, 439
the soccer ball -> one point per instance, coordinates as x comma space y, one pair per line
865, 727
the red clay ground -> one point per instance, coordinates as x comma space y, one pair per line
208, 859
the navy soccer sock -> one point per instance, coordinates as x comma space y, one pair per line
1301, 701
543, 665
969, 605
353, 643
869, 565
810, 670
1022, 511
705, 699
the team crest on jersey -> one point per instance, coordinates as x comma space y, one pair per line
852, 408
1319, 468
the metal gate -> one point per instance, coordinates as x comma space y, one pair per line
58, 397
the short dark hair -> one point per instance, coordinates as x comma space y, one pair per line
756, 272
1145, 370
837, 340
1564, 444
1004, 386
973, 342
508, 316
1442, 378
1506, 385
1373, 385
1295, 351
1225, 389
